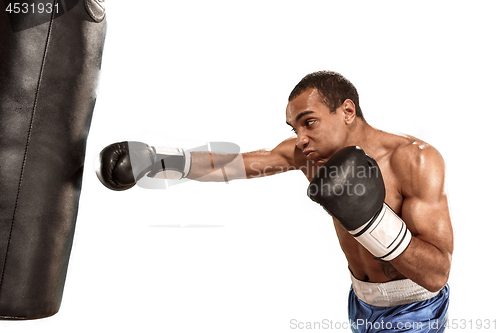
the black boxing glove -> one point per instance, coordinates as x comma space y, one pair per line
351, 189
123, 164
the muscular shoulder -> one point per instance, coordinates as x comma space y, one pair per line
419, 167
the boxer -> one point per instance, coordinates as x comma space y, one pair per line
385, 193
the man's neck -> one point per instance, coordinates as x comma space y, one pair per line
361, 134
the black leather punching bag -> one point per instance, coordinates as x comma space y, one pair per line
50, 58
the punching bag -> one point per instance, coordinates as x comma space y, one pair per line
50, 58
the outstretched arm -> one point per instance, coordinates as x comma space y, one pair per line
212, 166
123, 164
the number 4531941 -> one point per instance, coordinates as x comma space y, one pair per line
25, 8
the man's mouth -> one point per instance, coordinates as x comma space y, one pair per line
309, 154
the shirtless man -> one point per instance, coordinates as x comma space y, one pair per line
324, 112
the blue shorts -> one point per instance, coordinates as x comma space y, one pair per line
425, 316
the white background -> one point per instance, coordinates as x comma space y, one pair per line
250, 256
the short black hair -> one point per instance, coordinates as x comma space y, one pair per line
332, 87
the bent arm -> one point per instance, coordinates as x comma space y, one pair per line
427, 260
219, 167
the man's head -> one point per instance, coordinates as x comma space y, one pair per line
322, 111
332, 88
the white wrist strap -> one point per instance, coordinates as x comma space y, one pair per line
387, 237
174, 174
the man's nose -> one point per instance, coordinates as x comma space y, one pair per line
302, 141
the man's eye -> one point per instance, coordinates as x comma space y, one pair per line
310, 122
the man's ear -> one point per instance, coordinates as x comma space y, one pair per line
349, 110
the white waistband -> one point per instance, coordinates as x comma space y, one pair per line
390, 293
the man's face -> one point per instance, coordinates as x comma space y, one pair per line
320, 133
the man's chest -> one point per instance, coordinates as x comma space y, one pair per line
393, 189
